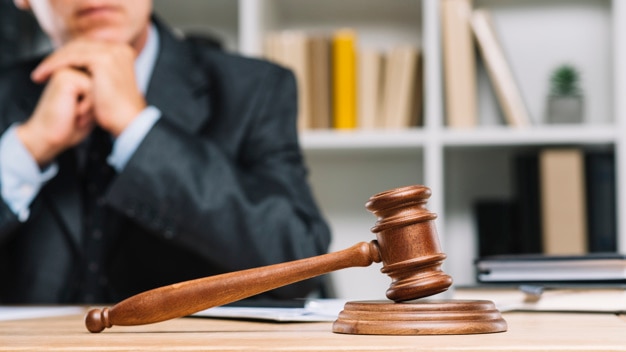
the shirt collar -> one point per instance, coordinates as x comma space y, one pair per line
144, 64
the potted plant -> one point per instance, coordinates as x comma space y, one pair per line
565, 102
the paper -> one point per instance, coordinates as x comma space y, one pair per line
317, 310
33, 312
563, 299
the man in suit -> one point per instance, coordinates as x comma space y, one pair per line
131, 159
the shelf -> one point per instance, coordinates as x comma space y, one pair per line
544, 135
333, 140
411, 139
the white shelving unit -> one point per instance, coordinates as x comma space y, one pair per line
458, 165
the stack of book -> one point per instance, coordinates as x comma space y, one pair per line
541, 269
581, 283
342, 85
551, 298
564, 203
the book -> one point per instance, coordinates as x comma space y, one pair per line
402, 97
496, 225
498, 69
290, 49
601, 201
320, 75
459, 64
538, 268
549, 298
344, 79
371, 82
528, 238
563, 201
20, 312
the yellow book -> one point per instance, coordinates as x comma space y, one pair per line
344, 79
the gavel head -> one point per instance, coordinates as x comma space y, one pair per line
408, 243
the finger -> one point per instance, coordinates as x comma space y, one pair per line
85, 121
77, 84
85, 110
76, 55
84, 104
44, 71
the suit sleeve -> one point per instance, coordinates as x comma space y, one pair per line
9, 220
237, 209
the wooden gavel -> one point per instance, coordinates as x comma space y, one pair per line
406, 243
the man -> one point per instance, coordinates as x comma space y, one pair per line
205, 174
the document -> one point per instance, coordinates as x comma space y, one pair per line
314, 310
33, 312
551, 298
529, 268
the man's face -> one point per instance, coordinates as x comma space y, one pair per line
122, 21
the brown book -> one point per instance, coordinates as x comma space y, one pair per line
499, 71
389, 89
563, 201
370, 90
319, 89
459, 64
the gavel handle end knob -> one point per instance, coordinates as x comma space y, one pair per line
97, 320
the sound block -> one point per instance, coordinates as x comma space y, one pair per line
419, 317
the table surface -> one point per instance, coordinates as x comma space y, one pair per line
526, 332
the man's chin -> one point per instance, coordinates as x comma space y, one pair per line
107, 35
115, 34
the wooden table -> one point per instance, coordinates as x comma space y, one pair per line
527, 332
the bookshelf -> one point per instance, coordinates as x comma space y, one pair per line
460, 166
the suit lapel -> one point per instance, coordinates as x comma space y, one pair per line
179, 86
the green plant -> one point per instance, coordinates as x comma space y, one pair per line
565, 81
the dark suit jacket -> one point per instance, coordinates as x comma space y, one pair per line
218, 185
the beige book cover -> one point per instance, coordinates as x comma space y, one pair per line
563, 201
371, 66
459, 63
499, 70
290, 49
402, 98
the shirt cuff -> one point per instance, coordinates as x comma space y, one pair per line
127, 142
20, 176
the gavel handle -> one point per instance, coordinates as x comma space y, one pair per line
188, 297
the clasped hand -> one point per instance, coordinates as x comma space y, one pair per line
88, 83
